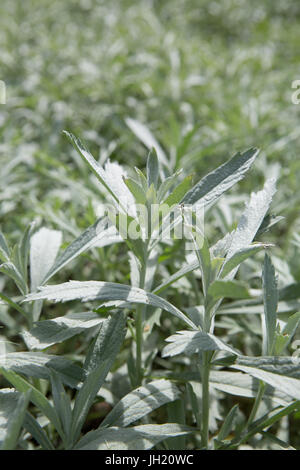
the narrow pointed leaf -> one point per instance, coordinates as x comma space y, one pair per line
145, 136
48, 332
94, 235
13, 407
44, 246
36, 397
241, 255
284, 384
283, 365
93, 164
98, 290
136, 190
152, 168
191, 342
4, 250
179, 192
243, 385
99, 360
39, 365
140, 402
142, 437
212, 186
37, 432
228, 289
252, 218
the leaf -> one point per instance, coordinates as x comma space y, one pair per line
243, 385
284, 337
166, 185
12, 304
145, 136
130, 231
107, 343
252, 218
136, 190
39, 364
93, 164
237, 308
241, 255
44, 247
37, 432
100, 290
23, 250
142, 179
228, 423
62, 403
178, 193
282, 365
115, 175
230, 289
36, 397
140, 402
174, 277
270, 302
98, 362
176, 414
152, 168
212, 186
142, 437
10, 270
191, 342
287, 385
271, 418
13, 407
48, 332
95, 234
4, 250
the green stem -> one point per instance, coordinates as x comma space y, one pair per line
139, 327
205, 399
139, 344
205, 372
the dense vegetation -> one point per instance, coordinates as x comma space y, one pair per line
156, 346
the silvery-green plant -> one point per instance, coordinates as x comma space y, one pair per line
271, 378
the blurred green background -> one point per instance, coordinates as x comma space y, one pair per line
207, 78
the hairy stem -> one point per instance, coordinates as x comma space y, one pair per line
205, 399
139, 327
205, 372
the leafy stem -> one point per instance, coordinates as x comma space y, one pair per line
139, 326
205, 371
